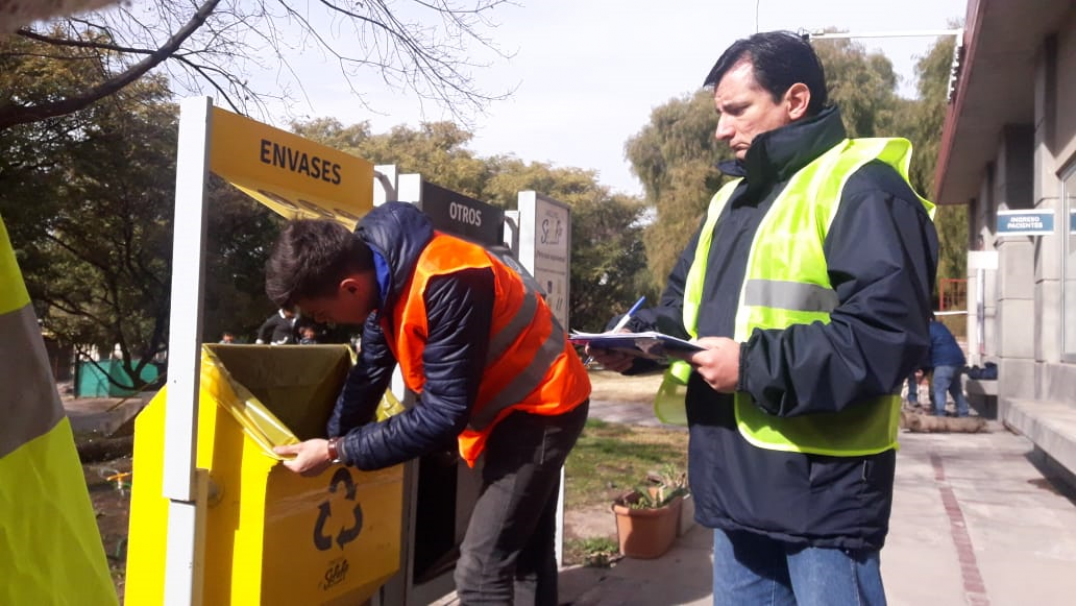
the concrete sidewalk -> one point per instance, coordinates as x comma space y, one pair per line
974, 522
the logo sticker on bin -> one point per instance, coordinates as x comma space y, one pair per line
346, 535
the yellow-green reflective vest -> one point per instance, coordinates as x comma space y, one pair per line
50, 548
787, 282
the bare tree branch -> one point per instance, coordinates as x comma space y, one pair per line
421, 46
33, 113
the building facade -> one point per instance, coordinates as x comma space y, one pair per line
1009, 153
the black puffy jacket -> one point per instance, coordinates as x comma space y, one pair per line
459, 305
881, 253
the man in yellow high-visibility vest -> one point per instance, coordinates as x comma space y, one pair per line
809, 284
50, 548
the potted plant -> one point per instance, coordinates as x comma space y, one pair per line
672, 479
647, 520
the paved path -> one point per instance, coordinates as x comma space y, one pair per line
974, 522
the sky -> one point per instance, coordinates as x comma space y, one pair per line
586, 74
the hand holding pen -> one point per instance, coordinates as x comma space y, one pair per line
627, 317
621, 324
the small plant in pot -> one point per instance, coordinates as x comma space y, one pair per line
672, 480
648, 519
667, 483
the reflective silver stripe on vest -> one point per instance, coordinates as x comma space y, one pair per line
523, 384
796, 296
29, 404
508, 335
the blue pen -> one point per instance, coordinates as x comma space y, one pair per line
631, 312
622, 323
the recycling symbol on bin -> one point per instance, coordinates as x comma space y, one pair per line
323, 541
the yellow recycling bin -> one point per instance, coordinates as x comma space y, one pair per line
272, 536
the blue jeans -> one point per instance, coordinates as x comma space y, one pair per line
913, 390
947, 379
753, 569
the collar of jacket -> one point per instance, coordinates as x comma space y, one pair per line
776, 155
397, 231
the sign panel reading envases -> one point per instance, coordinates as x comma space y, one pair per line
1025, 223
293, 176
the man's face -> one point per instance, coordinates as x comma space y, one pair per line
745, 109
356, 297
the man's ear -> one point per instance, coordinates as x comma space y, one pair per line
797, 99
354, 284
348, 285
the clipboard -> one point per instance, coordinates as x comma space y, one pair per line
650, 345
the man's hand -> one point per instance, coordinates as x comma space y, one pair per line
311, 456
616, 361
718, 364
610, 359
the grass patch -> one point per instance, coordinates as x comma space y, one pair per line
610, 459
608, 385
596, 552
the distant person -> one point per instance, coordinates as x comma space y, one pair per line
308, 335
227, 337
809, 286
913, 388
278, 329
948, 361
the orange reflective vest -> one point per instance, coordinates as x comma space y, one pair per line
530, 365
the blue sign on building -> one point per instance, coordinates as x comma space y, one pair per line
1025, 222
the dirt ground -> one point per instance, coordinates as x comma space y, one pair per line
109, 483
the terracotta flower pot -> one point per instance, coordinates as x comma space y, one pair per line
645, 533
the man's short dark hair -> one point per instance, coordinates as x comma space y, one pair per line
310, 258
779, 59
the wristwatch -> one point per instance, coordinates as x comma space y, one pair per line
334, 450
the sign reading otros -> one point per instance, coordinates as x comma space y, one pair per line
465, 214
462, 215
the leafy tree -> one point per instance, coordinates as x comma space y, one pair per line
924, 120
239, 233
674, 156
607, 258
88, 198
419, 45
862, 84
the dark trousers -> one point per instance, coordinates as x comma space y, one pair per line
507, 556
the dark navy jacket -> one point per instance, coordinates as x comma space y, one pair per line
881, 252
459, 307
944, 350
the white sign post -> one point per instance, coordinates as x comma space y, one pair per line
183, 559
292, 176
545, 249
